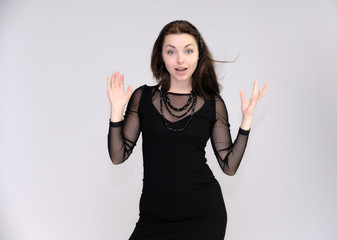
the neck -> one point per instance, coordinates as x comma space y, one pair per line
180, 86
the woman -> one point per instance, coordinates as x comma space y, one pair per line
181, 199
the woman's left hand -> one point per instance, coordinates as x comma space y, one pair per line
248, 106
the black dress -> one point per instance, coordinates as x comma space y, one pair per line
180, 199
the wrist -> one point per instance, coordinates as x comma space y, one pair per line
116, 114
246, 123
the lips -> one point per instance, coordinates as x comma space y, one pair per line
181, 69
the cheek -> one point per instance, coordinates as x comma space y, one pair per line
167, 62
167, 66
194, 64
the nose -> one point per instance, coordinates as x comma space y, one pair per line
180, 58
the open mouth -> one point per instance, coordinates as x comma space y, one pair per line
181, 69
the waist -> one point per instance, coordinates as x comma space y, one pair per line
178, 180
174, 203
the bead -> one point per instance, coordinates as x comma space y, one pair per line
163, 96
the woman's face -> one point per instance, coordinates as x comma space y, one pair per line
180, 55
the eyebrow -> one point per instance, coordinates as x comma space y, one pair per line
191, 44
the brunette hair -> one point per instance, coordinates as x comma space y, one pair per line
204, 80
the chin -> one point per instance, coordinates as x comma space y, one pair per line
183, 79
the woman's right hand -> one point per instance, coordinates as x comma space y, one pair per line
117, 96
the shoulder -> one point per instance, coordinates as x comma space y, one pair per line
142, 96
219, 102
136, 97
218, 98
145, 88
151, 88
139, 91
220, 108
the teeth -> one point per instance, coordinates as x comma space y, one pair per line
181, 69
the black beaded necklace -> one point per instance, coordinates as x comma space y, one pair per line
167, 101
167, 104
164, 98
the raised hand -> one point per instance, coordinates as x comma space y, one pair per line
117, 96
116, 93
248, 106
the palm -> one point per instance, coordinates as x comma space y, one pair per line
116, 93
248, 106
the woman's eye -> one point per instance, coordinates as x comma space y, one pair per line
189, 51
169, 52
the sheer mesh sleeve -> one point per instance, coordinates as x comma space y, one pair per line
123, 135
228, 154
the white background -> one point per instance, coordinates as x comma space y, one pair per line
56, 179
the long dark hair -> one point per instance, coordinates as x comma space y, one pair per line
204, 80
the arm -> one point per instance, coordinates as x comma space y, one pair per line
228, 154
123, 133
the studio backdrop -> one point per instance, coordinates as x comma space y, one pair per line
56, 178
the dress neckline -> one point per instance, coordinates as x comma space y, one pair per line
157, 88
196, 113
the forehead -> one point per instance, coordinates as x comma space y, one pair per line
180, 39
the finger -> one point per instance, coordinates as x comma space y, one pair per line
242, 96
265, 88
129, 91
121, 82
108, 82
116, 80
255, 88
113, 79
263, 92
259, 96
